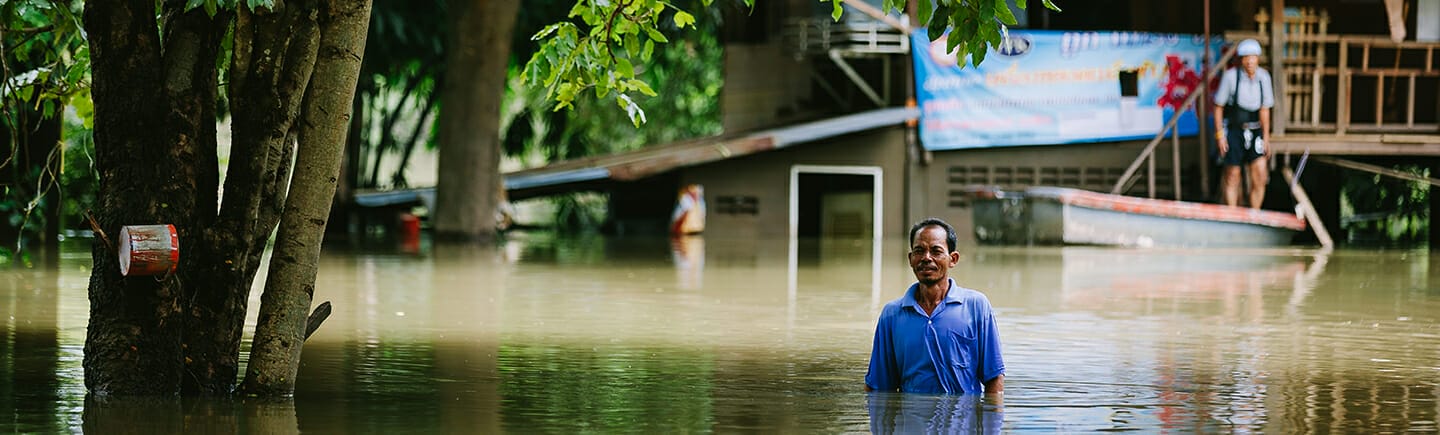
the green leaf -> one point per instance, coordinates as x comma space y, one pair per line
939, 22
192, 4
547, 30
84, 108
837, 11
977, 53
564, 95
624, 68
1003, 12
1051, 4
649, 50
641, 86
211, 7
927, 10
257, 4
1020, 3
683, 19
655, 35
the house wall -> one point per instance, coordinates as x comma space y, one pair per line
765, 177
764, 80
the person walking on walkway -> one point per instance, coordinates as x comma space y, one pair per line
1242, 125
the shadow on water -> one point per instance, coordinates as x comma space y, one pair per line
545, 333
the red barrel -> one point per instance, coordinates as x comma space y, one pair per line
148, 250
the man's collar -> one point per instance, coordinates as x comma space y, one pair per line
951, 296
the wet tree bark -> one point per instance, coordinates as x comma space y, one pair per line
133, 343
290, 285
156, 155
467, 190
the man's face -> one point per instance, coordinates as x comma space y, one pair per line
930, 258
1250, 63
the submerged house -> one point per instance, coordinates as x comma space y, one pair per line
842, 129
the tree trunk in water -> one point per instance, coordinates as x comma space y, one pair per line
469, 173
271, 65
290, 285
132, 344
155, 151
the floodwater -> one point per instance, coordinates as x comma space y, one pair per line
590, 334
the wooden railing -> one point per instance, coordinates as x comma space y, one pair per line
1325, 77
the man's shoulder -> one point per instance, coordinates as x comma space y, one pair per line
894, 305
969, 295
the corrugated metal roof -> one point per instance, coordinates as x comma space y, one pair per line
584, 173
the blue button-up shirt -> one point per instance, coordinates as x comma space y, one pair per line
952, 351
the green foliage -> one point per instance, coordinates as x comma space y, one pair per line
687, 73
598, 47
214, 6
1389, 210
78, 177
399, 86
45, 64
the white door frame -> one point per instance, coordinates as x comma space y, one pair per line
878, 221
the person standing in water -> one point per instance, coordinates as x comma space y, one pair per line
938, 338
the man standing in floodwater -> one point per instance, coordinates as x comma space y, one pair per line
1242, 124
938, 338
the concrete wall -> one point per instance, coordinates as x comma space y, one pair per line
766, 178
765, 82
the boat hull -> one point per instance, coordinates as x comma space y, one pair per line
1060, 216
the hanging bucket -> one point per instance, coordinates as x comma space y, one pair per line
148, 250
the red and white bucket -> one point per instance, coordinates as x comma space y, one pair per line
148, 250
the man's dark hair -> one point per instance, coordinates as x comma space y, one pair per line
928, 222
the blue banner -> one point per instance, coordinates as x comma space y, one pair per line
1056, 87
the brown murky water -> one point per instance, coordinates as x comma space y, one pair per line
605, 335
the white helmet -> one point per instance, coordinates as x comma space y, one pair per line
1248, 47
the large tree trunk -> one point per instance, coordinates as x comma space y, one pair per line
272, 61
290, 285
192, 44
155, 151
133, 343
469, 175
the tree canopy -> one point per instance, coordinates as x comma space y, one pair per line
599, 47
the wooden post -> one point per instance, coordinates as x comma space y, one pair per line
1319, 68
1175, 160
1150, 174
1277, 67
1311, 217
1410, 104
1202, 111
1342, 98
1379, 98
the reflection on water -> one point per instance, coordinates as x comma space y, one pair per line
590, 334
919, 413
